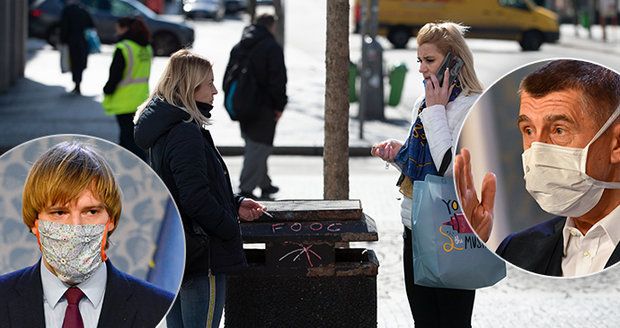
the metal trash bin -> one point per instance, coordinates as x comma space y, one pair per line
306, 276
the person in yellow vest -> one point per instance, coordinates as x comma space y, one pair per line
128, 84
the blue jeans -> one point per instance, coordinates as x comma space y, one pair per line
200, 303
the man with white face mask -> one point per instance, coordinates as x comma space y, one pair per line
71, 203
568, 118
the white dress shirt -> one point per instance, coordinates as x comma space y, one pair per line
585, 254
55, 304
441, 127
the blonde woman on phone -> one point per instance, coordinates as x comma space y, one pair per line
437, 117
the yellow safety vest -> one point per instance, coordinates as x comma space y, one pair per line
134, 87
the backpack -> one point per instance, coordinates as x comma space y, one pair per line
241, 92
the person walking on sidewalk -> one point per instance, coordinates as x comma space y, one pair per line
128, 84
171, 124
74, 20
438, 116
266, 58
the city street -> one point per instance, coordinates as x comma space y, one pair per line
520, 300
40, 105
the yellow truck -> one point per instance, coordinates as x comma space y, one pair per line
519, 20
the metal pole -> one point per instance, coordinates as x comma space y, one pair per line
363, 83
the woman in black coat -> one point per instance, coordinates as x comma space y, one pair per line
171, 125
74, 20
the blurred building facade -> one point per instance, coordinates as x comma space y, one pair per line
584, 12
13, 34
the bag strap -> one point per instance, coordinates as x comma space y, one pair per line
445, 163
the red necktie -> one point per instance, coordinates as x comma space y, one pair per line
73, 318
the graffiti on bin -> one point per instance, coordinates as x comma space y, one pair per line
305, 227
297, 253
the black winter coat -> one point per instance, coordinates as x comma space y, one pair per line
267, 62
198, 179
74, 20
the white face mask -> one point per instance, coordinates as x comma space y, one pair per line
74, 251
556, 177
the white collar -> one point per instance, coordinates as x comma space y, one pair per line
609, 225
54, 288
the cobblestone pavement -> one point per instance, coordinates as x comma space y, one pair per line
520, 300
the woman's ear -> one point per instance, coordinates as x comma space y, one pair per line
615, 143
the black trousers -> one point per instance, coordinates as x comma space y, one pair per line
435, 307
76, 74
126, 140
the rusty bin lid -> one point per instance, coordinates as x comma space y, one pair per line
328, 220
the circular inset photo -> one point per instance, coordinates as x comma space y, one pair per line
538, 167
85, 222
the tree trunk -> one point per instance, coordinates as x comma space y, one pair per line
336, 151
278, 5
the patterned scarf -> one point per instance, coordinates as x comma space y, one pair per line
414, 157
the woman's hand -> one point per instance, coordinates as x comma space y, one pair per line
250, 210
386, 150
436, 95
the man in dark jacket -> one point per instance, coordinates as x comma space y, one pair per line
74, 20
267, 63
72, 204
568, 118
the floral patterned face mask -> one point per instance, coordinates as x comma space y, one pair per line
74, 251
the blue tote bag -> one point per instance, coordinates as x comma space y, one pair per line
446, 252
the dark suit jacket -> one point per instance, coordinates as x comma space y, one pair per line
539, 249
128, 302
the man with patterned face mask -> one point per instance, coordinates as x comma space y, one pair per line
569, 122
72, 204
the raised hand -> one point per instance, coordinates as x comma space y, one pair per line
478, 213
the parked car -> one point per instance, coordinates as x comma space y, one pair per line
235, 6
519, 20
204, 8
166, 36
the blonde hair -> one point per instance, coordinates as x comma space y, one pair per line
62, 173
182, 76
448, 37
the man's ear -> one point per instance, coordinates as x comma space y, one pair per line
615, 144
35, 228
35, 231
110, 225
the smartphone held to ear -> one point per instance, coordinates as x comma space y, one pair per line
454, 64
